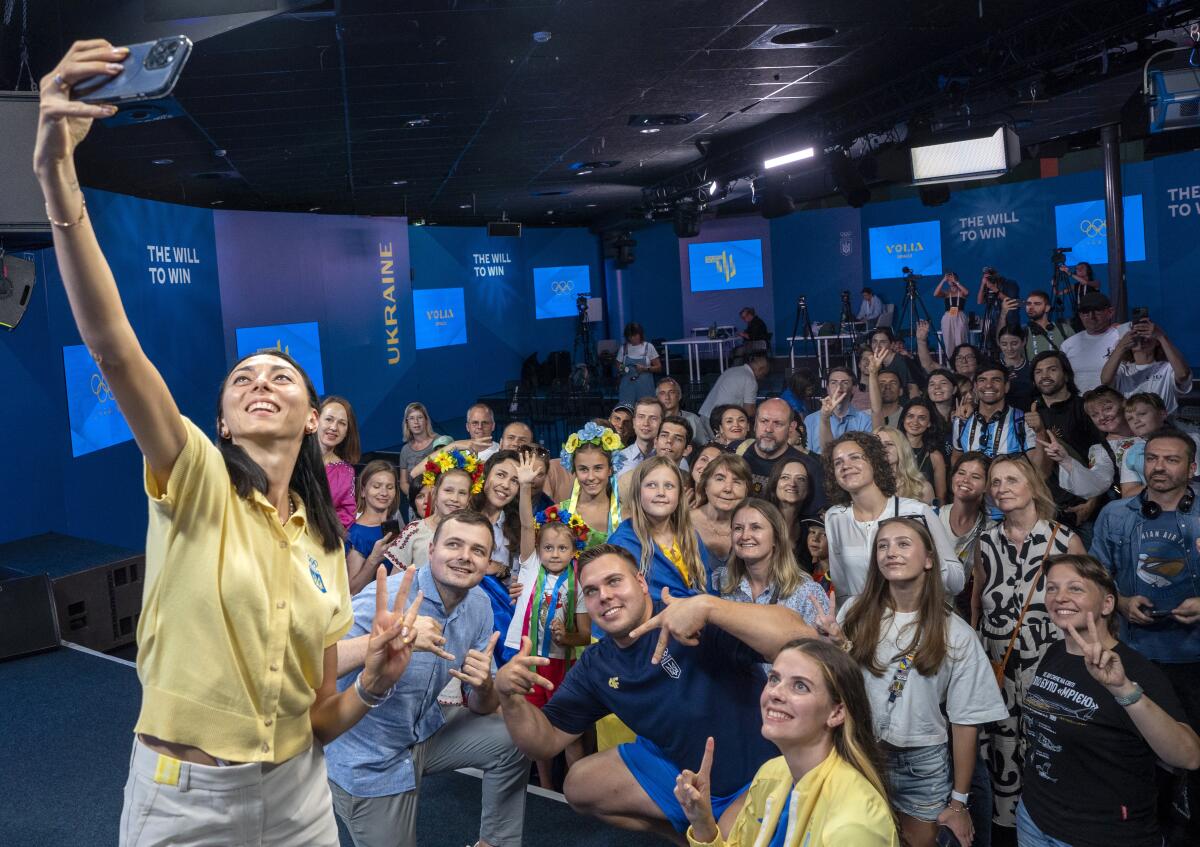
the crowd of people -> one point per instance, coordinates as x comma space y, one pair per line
932, 614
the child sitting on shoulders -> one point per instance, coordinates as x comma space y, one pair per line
550, 611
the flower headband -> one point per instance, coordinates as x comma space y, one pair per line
601, 436
449, 460
571, 520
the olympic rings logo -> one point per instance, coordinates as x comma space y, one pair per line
100, 388
1093, 228
563, 286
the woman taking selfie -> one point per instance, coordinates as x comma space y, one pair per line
238, 686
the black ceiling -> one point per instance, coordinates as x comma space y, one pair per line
452, 110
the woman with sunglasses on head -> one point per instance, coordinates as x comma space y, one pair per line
1098, 716
919, 658
826, 788
862, 488
1008, 607
245, 585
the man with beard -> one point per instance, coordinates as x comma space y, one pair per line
1149, 543
1044, 334
994, 428
773, 424
1058, 415
676, 671
1090, 349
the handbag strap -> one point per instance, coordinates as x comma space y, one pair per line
1012, 641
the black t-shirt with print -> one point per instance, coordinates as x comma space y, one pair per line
1089, 774
761, 468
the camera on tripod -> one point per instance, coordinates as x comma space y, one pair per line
1059, 256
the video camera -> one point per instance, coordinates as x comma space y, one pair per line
1059, 256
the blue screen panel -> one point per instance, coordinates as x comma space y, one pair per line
96, 422
725, 265
440, 317
916, 246
300, 341
1083, 227
555, 290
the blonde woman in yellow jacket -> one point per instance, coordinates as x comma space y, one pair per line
825, 790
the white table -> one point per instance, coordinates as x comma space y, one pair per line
822, 349
703, 330
693, 345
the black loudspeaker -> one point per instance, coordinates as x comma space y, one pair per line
934, 195
687, 221
504, 229
849, 182
28, 621
17, 278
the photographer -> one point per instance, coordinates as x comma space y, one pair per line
1077, 284
1044, 334
993, 290
954, 322
1146, 360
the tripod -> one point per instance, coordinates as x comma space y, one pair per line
912, 308
806, 337
585, 366
1062, 280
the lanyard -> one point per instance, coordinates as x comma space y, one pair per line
995, 438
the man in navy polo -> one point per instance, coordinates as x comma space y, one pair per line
675, 672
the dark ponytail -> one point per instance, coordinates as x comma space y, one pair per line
308, 476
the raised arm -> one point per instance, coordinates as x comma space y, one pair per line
136, 384
1179, 365
1108, 374
923, 354
871, 364
525, 476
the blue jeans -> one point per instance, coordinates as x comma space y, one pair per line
1028, 834
981, 804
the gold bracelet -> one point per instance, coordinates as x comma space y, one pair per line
65, 224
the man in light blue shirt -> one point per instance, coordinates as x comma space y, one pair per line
375, 768
871, 308
841, 418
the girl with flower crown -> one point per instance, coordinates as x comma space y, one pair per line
593, 454
454, 476
550, 611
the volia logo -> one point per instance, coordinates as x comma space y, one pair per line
724, 264
905, 248
439, 317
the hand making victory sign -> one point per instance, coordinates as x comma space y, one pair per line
1102, 663
390, 644
477, 668
693, 790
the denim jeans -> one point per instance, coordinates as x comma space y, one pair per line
1028, 834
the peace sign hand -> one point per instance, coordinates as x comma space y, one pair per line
519, 675
390, 644
1103, 664
828, 627
477, 669
693, 790
681, 619
832, 401
966, 407
1053, 448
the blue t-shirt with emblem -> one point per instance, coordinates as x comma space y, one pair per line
1163, 576
694, 692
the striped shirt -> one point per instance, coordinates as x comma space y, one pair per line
1001, 434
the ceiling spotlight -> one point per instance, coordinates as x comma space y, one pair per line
541, 36
650, 130
582, 173
711, 188
399, 182
162, 161
591, 205
788, 158
315, 209
420, 120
